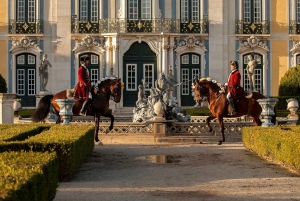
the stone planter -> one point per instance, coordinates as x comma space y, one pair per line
66, 106
292, 106
7, 108
267, 105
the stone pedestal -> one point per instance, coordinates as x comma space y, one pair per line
41, 95
267, 105
292, 106
7, 108
65, 106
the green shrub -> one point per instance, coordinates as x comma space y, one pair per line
290, 83
280, 144
26, 113
28, 176
20, 132
281, 104
3, 85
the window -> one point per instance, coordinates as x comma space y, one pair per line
31, 82
26, 10
94, 59
21, 59
185, 59
149, 76
20, 81
31, 59
139, 9
252, 11
185, 81
298, 11
89, 10
190, 11
94, 75
131, 77
195, 59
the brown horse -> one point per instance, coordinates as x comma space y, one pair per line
101, 94
220, 108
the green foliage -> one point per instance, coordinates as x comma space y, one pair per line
3, 85
280, 144
26, 113
290, 83
20, 132
281, 104
28, 176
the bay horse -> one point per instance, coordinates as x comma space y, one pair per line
102, 92
219, 107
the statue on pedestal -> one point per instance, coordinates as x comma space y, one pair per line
251, 72
43, 71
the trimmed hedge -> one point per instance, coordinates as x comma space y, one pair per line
72, 144
280, 144
19, 132
27, 176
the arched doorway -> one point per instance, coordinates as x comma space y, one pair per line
26, 79
189, 68
258, 72
93, 66
139, 63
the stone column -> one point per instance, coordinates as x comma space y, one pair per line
7, 108
164, 56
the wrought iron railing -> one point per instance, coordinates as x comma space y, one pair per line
161, 25
294, 27
262, 27
26, 27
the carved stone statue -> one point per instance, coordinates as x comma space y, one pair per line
157, 103
251, 72
43, 71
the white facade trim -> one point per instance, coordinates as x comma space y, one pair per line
254, 45
24, 45
189, 45
89, 45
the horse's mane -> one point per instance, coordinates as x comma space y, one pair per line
210, 84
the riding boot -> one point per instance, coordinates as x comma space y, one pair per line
84, 107
230, 100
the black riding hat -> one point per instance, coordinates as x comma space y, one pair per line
84, 58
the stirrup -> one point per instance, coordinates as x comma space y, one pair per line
81, 113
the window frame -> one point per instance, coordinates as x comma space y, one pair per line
89, 10
26, 10
252, 11
139, 9
188, 13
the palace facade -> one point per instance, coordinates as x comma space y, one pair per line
138, 39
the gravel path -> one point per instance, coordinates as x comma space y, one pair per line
191, 172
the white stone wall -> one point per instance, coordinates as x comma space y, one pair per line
218, 40
60, 40
6, 108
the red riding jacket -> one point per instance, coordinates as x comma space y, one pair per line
234, 87
83, 85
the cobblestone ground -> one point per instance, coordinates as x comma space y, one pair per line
178, 172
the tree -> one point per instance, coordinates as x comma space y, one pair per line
3, 85
290, 82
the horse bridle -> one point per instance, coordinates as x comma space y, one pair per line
114, 93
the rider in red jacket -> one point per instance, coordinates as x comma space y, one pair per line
83, 86
234, 87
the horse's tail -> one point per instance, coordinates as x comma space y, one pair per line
42, 109
273, 120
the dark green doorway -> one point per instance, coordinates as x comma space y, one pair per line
26, 79
190, 67
139, 64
